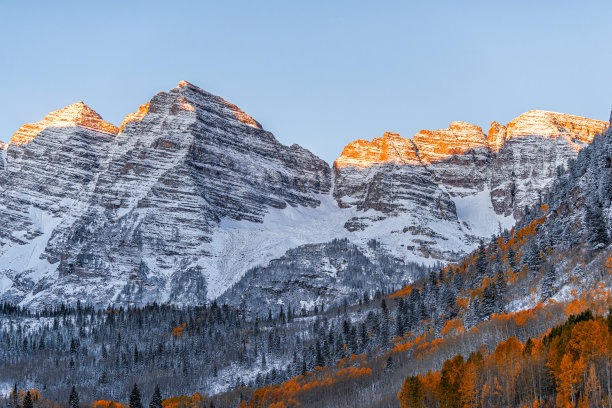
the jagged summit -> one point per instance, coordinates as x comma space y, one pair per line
216, 102
191, 98
77, 114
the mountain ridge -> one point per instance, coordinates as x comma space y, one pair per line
190, 192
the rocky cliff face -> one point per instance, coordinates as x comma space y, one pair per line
536, 143
190, 193
50, 166
2, 156
456, 180
133, 216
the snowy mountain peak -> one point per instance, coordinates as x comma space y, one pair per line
195, 97
77, 114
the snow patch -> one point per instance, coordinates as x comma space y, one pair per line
26, 258
476, 210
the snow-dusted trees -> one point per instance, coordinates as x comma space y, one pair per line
548, 281
597, 234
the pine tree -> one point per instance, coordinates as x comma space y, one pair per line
156, 399
448, 302
548, 282
512, 260
488, 302
14, 395
500, 287
597, 234
27, 401
531, 256
135, 398
73, 400
389, 362
481, 261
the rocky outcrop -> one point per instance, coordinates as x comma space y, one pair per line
471, 182
457, 157
135, 116
497, 136
440, 145
536, 143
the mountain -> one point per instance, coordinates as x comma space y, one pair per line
471, 183
328, 332
190, 193
139, 225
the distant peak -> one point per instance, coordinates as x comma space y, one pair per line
183, 83
77, 114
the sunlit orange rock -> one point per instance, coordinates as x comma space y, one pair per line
135, 116
240, 115
578, 130
235, 110
77, 114
430, 146
390, 148
441, 144
497, 136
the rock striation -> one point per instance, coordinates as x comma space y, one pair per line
3, 148
457, 180
77, 114
536, 144
190, 193
133, 216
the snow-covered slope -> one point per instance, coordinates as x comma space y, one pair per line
190, 193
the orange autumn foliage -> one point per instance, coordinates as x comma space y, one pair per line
107, 404
577, 355
453, 328
178, 330
402, 293
184, 401
287, 394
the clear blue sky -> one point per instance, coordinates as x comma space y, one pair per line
320, 74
